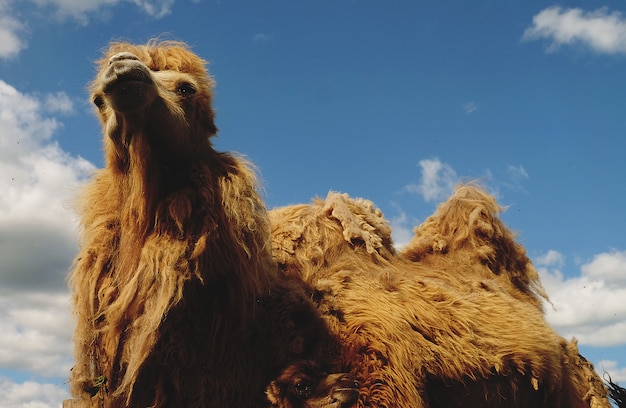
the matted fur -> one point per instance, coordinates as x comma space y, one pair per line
422, 336
174, 289
302, 240
466, 229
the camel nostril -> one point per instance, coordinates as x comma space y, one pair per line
348, 379
123, 56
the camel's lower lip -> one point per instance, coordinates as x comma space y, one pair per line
130, 95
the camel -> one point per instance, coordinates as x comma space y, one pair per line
177, 300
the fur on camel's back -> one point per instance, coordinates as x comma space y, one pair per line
176, 296
466, 229
426, 335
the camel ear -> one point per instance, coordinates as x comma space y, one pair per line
362, 222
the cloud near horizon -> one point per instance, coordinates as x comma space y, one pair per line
37, 231
38, 240
601, 31
590, 305
30, 394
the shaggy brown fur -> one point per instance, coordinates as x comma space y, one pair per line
303, 238
306, 385
176, 296
417, 335
466, 230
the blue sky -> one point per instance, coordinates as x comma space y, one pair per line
392, 101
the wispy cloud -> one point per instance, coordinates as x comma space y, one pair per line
600, 30
82, 10
260, 37
515, 176
590, 305
156, 8
470, 107
517, 173
437, 180
58, 102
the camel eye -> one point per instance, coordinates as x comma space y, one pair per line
302, 389
98, 101
185, 89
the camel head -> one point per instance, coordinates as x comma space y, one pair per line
153, 101
304, 384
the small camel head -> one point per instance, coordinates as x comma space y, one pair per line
306, 385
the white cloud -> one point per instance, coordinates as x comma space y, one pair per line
37, 243
589, 306
608, 266
437, 181
30, 394
36, 333
156, 8
551, 258
37, 180
600, 30
11, 32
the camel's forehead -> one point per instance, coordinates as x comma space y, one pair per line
161, 57
292, 211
